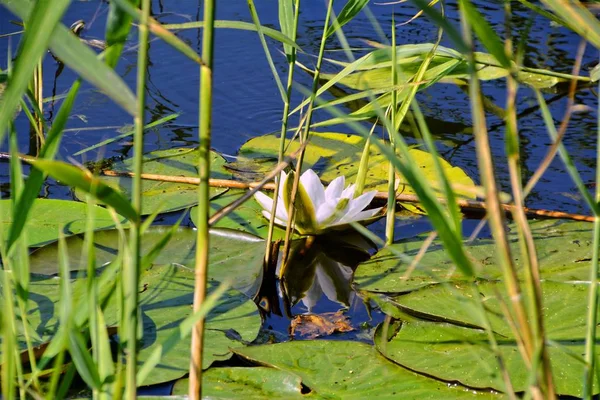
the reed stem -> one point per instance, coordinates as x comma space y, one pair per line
132, 268
284, 125
202, 241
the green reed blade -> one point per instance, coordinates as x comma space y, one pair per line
36, 177
245, 26
45, 16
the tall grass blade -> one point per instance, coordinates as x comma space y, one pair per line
350, 10
579, 18
84, 180
286, 23
113, 139
288, 19
185, 327
131, 271
263, 42
159, 30
485, 33
245, 26
118, 25
40, 23
36, 177
80, 58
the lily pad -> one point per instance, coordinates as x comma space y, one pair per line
167, 196
460, 354
565, 306
564, 250
336, 154
246, 383
167, 300
48, 216
246, 218
351, 370
373, 71
233, 254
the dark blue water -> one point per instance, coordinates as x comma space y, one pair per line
247, 101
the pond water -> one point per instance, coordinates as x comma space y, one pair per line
247, 103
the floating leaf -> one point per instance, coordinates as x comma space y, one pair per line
339, 369
452, 352
168, 196
87, 184
247, 217
232, 254
246, 383
564, 250
166, 297
167, 300
48, 216
375, 74
335, 154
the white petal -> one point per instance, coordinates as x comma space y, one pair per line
335, 188
265, 201
277, 221
359, 217
325, 211
267, 204
314, 188
348, 193
360, 203
282, 178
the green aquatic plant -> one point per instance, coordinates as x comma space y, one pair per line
319, 209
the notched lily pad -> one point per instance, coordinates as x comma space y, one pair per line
167, 196
48, 216
460, 354
339, 369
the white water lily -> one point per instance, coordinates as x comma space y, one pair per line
318, 209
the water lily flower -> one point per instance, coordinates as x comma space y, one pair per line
318, 209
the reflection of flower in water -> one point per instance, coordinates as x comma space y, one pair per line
332, 279
320, 266
318, 209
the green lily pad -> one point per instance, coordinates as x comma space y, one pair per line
233, 254
336, 154
167, 300
48, 216
167, 196
246, 218
564, 251
373, 71
565, 306
461, 354
351, 370
246, 383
